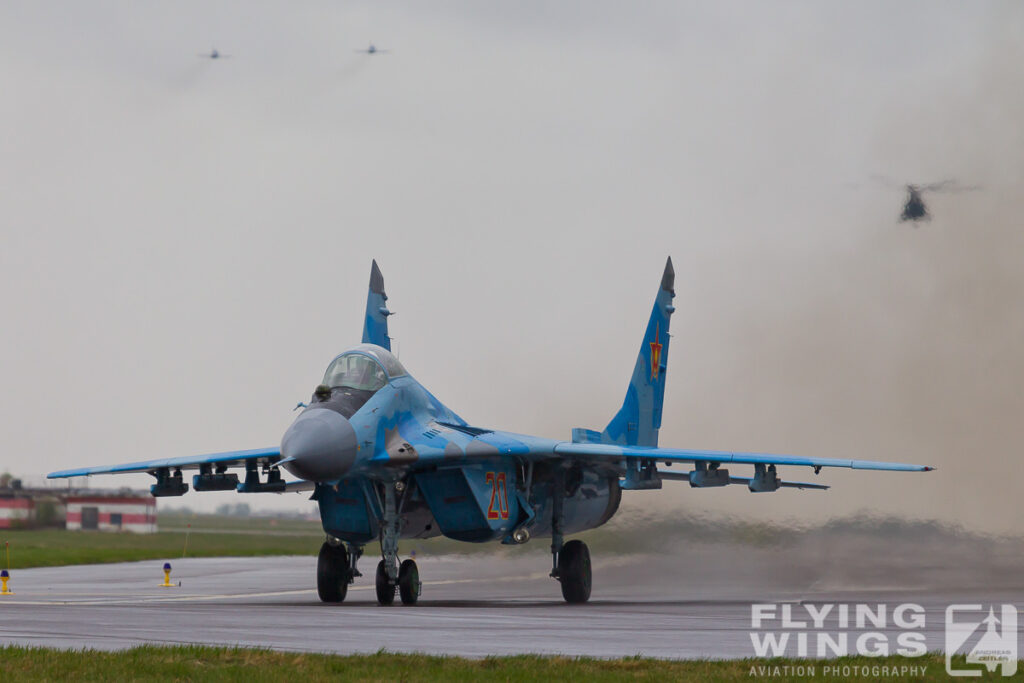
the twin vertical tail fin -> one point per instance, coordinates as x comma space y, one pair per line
375, 327
639, 419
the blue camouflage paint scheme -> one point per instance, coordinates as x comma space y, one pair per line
405, 434
375, 325
349, 505
638, 421
229, 458
681, 455
467, 506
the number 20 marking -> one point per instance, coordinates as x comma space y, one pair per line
499, 493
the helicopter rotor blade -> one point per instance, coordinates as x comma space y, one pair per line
937, 187
949, 185
886, 181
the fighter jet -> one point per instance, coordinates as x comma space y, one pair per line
372, 50
387, 460
213, 54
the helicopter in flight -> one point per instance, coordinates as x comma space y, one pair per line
914, 208
213, 54
372, 50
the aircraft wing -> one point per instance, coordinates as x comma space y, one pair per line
489, 442
606, 452
685, 476
227, 459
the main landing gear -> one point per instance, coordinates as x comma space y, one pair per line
336, 565
573, 569
335, 570
332, 573
570, 561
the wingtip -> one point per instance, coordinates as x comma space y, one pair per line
376, 278
929, 468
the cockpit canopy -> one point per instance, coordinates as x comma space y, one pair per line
366, 367
355, 371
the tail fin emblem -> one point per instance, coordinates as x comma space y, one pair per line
656, 352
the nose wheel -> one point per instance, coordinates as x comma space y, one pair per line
409, 582
391, 575
408, 586
385, 586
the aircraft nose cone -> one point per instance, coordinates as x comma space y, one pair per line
320, 446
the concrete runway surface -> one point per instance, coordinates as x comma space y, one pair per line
473, 605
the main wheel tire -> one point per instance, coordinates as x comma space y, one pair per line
574, 571
385, 589
332, 573
409, 582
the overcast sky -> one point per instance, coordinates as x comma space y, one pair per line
187, 242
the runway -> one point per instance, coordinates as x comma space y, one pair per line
474, 605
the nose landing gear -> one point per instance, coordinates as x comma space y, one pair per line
409, 582
385, 587
390, 574
409, 585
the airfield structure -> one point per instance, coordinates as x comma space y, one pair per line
106, 510
77, 508
16, 511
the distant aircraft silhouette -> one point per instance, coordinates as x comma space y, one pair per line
914, 208
372, 50
213, 54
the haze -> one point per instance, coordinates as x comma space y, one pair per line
187, 242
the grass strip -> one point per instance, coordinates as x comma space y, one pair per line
56, 547
152, 663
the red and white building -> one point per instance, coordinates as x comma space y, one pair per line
117, 511
77, 509
16, 511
